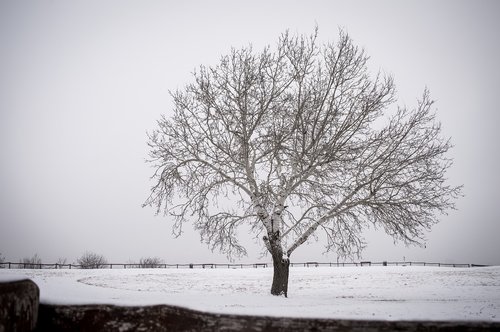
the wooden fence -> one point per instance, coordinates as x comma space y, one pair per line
384, 263
11, 265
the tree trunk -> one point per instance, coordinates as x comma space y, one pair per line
280, 277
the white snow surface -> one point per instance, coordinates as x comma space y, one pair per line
387, 293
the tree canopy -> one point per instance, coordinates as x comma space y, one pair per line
296, 139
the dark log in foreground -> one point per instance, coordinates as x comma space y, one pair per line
171, 318
18, 305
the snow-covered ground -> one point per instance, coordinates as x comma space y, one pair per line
391, 293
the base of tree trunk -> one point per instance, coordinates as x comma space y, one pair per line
280, 277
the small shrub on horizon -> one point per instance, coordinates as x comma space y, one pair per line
62, 261
90, 260
150, 262
33, 262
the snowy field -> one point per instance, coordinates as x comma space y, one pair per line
388, 293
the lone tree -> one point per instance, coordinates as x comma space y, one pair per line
299, 139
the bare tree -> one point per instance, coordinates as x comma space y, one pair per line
33, 262
2, 259
90, 260
150, 262
300, 139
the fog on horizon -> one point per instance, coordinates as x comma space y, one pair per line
82, 82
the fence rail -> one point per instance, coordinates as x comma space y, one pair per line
11, 265
385, 263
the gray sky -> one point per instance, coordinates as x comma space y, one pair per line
82, 81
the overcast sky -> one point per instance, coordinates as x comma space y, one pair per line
81, 82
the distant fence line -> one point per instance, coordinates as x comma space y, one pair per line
11, 265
